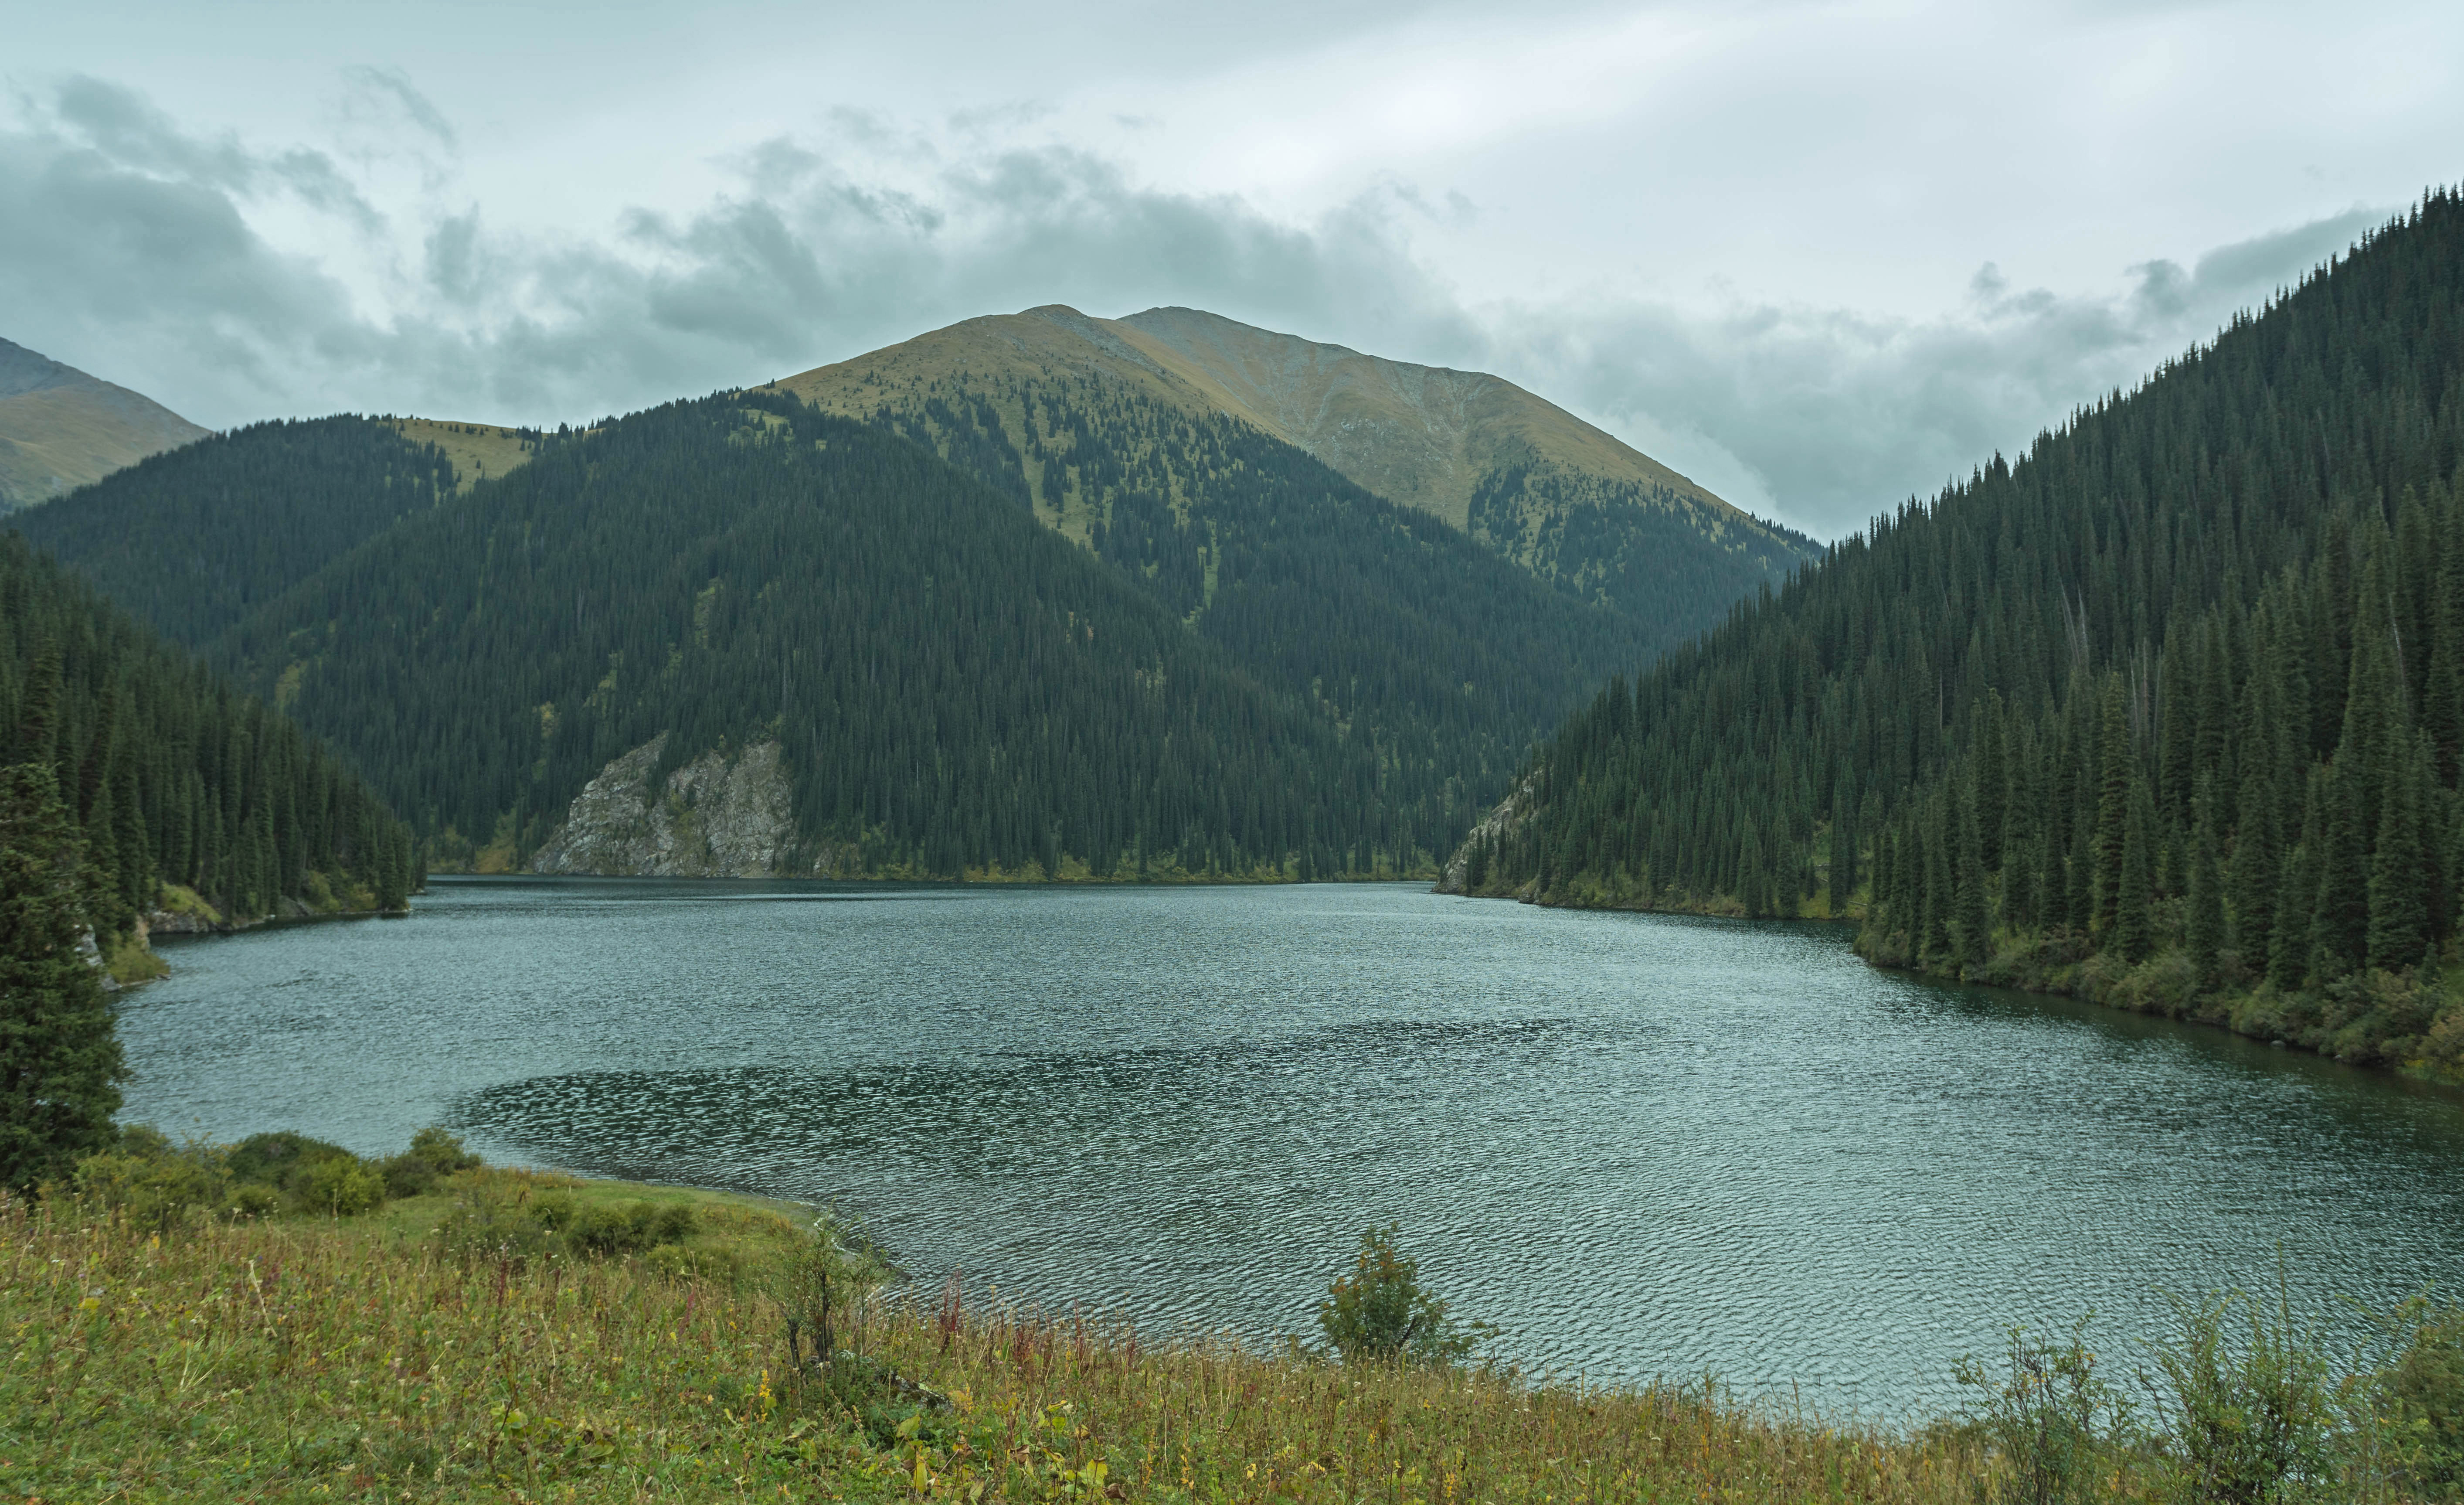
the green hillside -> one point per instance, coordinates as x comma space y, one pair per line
60, 428
1058, 409
195, 539
714, 594
2169, 713
174, 777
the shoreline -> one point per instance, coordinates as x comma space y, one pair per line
2259, 1015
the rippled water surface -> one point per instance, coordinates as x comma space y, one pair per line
1640, 1144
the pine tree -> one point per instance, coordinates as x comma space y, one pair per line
60, 1063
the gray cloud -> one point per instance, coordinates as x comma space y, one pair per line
394, 89
132, 246
1826, 416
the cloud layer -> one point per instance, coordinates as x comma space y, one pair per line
235, 280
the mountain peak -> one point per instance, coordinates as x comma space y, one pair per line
1523, 476
23, 371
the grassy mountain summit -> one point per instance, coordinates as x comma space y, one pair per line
61, 428
1048, 404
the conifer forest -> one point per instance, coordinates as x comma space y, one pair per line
2169, 712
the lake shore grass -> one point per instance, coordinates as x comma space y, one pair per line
384, 1357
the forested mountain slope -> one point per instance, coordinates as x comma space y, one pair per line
2169, 713
61, 428
807, 645
1063, 412
174, 777
194, 541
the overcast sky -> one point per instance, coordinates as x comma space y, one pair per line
1818, 256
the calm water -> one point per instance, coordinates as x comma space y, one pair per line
1641, 1145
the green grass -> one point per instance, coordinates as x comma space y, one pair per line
371, 1358
465, 1344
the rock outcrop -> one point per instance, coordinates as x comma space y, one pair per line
722, 815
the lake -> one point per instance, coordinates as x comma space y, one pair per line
1641, 1146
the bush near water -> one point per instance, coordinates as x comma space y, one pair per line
480, 1333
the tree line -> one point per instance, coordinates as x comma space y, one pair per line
172, 776
2168, 713
954, 687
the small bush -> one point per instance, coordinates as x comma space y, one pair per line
2048, 1413
2425, 1397
440, 1152
602, 1229
2249, 1403
341, 1186
407, 1176
1379, 1314
155, 1182
553, 1210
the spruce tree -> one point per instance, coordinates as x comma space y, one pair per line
60, 1065
2133, 937
2113, 759
1971, 922
2340, 917
2205, 930
2401, 869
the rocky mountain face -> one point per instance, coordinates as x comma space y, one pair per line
722, 815
61, 428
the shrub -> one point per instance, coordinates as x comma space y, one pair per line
155, 1182
602, 1229
1379, 1314
2425, 1397
343, 1186
440, 1152
2252, 1416
278, 1158
2047, 1412
407, 1176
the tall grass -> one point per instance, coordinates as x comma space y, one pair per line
247, 1359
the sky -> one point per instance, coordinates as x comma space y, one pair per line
1818, 256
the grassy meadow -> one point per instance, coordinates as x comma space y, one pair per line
505, 1335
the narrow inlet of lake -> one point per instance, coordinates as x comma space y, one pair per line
1641, 1145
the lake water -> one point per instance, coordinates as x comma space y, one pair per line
1641, 1145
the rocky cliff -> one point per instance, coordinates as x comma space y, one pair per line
724, 814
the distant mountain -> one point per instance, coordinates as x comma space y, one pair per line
61, 428
740, 635
1057, 406
714, 638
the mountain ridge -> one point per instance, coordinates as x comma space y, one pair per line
1010, 394
61, 428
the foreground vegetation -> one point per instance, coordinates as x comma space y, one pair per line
507, 1335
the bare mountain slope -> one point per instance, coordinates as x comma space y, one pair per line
1421, 434
61, 428
1526, 478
